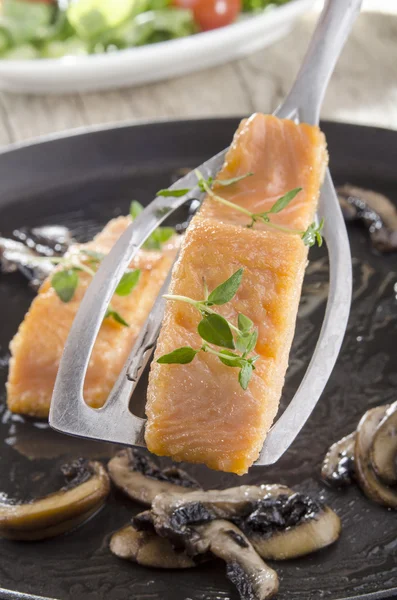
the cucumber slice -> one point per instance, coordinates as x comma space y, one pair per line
91, 18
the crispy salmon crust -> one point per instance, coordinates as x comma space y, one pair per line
198, 412
37, 347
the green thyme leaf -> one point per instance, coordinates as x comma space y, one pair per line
310, 236
242, 341
246, 342
230, 359
313, 234
227, 182
162, 234
244, 323
95, 256
127, 283
245, 375
158, 238
113, 314
252, 341
180, 356
206, 291
226, 290
284, 201
65, 283
204, 182
173, 193
216, 330
135, 209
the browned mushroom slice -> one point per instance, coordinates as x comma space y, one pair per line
289, 527
371, 485
338, 464
148, 549
62, 511
140, 478
375, 210
253, 578
279, 523
244, 567
174, 512
384, 447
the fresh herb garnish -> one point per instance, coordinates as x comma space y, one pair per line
309, 236
214, 328
203, 183
226, 290
127, 283
161, 235
111, 313
173, 193
233, 180
236, 343
313, 234
210, 181
65, 281
181, 356
135, 209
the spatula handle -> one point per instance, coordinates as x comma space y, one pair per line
307, 93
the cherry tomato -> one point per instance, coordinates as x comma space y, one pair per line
210, 14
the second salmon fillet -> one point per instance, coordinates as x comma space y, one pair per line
198, 412
37, 347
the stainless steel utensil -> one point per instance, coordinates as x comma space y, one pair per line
115, 422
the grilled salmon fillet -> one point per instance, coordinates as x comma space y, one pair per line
198, 412
37, 347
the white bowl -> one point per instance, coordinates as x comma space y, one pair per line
153, 62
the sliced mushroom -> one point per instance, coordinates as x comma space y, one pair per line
384, 447
174, 512
144, 521
279, 523
140, 478
222, 539
148, 549
308, 527
52, 515
338, 464
375, 210
371, 485
253, 579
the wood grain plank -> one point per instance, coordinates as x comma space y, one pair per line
33, 116
7, 134
213, 92
363, 88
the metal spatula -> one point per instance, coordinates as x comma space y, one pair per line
115, 422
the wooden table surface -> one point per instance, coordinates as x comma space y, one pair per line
363, 88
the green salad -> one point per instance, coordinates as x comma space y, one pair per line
32, 29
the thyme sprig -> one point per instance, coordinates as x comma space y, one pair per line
159, 237
310, 236
236, 342
65, 281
